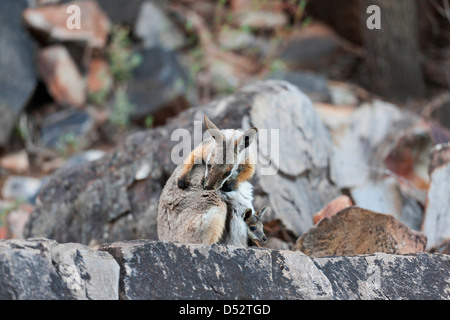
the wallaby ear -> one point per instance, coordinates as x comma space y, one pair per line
212, 129
247, 214
261, 212
246, 139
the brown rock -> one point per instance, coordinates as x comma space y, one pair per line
332, 208
51, 23
99, 76
61, 76
359, 231
16, 162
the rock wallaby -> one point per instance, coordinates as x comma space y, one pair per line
210, 190
255, 226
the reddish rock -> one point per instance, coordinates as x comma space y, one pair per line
332, 208
16, 162
3, 232
51, 23
359, 231
99, 77
61, 76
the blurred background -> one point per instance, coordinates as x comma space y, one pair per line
69, 96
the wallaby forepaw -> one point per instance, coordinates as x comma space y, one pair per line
183, 183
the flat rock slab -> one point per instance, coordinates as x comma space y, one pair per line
37, 269
167, 270
142, 269
359, 231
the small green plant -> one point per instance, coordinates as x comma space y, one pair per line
99, 97
8, 208
149, 121
122, 108
121, 59
68, 144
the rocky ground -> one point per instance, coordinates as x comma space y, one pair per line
141, 269
85, 137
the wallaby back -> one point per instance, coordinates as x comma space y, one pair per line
190, 215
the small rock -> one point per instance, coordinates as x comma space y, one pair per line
258, 14
21, 188
359, 231
332, 208
261, 19
155, 29
236, 39
67, 130
52, 21
3, 232
61, 76
16, 162
157, 83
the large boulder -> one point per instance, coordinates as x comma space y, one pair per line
18, 75
116, 198
436, 223
359, 231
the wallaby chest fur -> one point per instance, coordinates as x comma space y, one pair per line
238, 201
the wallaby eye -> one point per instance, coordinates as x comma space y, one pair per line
252, 228
209, 166
226, 174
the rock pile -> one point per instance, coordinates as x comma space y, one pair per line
116, 197
45, 269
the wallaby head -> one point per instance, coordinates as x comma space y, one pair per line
226, 153
255, 226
